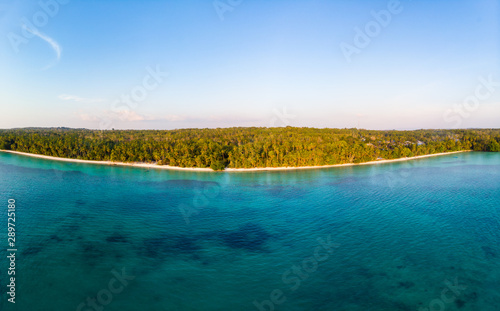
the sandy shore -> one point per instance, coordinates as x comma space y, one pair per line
167, 167
143, 165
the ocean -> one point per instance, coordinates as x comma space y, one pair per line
415, 235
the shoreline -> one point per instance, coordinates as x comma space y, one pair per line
345, 164
199, 169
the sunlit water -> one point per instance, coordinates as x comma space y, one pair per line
413, 235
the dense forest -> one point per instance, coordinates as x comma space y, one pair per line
245, 147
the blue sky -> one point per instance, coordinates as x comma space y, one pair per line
417, 64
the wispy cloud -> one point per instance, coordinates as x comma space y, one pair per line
127, 115
55, 46
87, 117
80, 99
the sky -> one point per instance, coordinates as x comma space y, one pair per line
195, 64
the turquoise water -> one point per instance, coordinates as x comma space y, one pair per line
415, 235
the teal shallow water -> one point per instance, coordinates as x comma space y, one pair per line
394, 234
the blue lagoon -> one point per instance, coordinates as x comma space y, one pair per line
414, 235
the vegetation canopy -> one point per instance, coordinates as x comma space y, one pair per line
245, 147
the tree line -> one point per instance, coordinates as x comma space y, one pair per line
245, 147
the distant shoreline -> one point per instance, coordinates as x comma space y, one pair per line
199, 169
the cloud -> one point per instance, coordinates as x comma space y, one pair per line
87, 117
55, 46
80, 99
128, 116
173, 118
113, 116
124, 118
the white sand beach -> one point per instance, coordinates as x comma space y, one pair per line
342, 165
168, 167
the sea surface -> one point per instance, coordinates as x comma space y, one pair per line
415, 235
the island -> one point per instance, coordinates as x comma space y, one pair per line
239, 149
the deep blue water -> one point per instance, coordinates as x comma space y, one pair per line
415, 235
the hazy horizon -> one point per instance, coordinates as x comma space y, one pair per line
226, 127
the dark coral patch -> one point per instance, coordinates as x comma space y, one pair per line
92, 254
406, 284
32, 250
183, 183
489, 252
55, 238
249, 237
171, 246
460, 303
117, 238
186, 245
